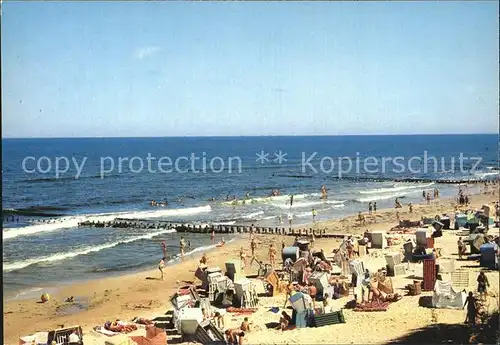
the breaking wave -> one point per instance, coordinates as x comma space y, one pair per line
17, 265
72, 222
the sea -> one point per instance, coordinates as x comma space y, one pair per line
51, 185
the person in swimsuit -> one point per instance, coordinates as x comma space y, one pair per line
461, 248
164, 248
253, 246
243, 258
482, 284
235, 336
272, 255
161, 266
245, 325
182, 245
212, 236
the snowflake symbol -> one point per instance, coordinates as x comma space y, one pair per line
280, 157
262, 157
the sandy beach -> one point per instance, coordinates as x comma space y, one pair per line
143, 294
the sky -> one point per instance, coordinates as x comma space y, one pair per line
140, 69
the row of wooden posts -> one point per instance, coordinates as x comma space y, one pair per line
208, 228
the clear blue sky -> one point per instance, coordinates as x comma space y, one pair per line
243, 68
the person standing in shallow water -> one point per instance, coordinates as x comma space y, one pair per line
370, 207
164, 248
182, 245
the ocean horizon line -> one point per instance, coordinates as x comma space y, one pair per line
254, 136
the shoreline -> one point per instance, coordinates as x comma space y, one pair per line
131, 294
322, 224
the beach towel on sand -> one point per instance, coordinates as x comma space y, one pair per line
372, 306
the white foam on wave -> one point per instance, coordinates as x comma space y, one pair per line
197, 250
72, 222
268, 199
395, 188
252, 215
482, 175
385, 196
46, 227
27, 292
225, 223
17, 265
307, 204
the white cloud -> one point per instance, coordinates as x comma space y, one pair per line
145, 52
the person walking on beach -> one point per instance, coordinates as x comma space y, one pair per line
253, 245
375, 207
410, 207
471, 304
370, 207
272, 255
482, 284
424, 195
314, 213
290, 218
164, 248
461, 248
161, 266
428, 196
243, 258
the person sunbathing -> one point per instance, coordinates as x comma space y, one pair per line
119, 326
